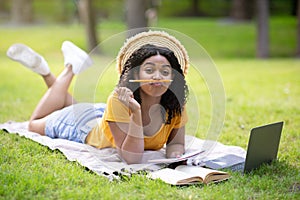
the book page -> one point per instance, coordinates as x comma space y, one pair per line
172, 176
206, 174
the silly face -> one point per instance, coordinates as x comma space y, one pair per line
155, 68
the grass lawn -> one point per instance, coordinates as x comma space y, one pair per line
257, 92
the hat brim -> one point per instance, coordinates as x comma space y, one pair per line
157, 38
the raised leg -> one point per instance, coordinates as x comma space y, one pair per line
35, 62
55, 98
49, 80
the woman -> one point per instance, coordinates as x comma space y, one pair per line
144, 112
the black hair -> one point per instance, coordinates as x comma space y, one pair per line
174, 99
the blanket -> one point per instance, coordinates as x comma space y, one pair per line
106, 162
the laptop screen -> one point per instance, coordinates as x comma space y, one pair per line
263, 145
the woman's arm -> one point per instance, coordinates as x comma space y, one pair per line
129, 137
175, 145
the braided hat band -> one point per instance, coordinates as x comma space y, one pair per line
157, 38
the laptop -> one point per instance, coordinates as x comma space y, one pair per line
262, 148
263, 145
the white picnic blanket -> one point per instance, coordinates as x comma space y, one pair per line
106, 162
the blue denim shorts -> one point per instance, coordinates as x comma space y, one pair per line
74, 122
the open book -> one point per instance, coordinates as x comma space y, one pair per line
186, 175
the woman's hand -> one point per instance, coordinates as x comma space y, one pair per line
175, 154
125, 95
175, 145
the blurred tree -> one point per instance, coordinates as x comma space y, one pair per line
22, 11
298, 30
87, 16
152, 12
241, 9
294, 7
3, 6
262, 12
195, 11
135, 16
63, 11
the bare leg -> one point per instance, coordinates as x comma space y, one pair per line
54, 99
57, 96
36, 63
49, 80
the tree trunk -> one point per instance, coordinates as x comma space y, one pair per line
241, 9
298, 30
135, 16
87, 16
3, 6
22, 11
262, 9
4, 10
195, 7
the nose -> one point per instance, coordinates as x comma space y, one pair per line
156, 75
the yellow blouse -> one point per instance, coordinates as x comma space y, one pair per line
101, 136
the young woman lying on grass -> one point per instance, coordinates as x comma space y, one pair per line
144, 112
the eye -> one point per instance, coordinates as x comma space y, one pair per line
165, 71
149, 70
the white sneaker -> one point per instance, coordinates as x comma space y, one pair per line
29, 58
75, 56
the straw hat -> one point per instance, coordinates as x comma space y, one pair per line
157, 38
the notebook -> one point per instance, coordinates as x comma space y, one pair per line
262, 148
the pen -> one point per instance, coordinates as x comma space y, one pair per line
149, 80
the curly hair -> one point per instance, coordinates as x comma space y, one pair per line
174, 99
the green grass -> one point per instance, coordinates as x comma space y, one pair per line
257, 92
